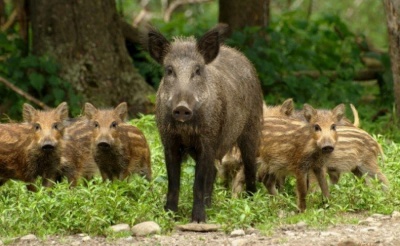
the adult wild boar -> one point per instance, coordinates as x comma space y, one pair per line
208, 99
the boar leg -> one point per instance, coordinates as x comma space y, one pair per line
248, 145
173, 161
372, 173
2, 181
301, 185
320, 175
280, 183
270, 183
334, 176
203, 182
48, 179
237, 183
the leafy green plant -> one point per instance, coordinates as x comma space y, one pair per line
93, 207
293, 46
35, 75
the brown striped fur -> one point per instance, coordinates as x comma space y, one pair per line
119, 149
32, 149
77, 159
295, 147
230, 168
356, 152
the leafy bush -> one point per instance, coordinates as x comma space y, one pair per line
295, 45
35, 75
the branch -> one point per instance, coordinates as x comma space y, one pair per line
23, 94
176, 4
10, 21
361, 75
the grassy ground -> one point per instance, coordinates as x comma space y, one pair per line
91, 208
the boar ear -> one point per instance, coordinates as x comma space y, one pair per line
208, 44
287, 107
62, 110
122, 111
28, 112
89, 111
338, 111
157, 45
309, 112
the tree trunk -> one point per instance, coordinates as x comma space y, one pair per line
392, 8
238, 13
85, 38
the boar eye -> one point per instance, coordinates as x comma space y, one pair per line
96, 124
169, 70
114, 124
37, 127
333, 127
56, 126
317, 128
197, 70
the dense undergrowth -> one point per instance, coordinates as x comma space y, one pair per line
93, 206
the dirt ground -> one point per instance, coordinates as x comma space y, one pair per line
374, 230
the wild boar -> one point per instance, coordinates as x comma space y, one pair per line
208, 100
119, 149
295, 147
32, 149
77, 158
356, 152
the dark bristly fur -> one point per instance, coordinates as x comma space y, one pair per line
119, 149
32, 149
208, 100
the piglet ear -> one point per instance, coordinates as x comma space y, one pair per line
62, 111
28, 111
89, 111
122, 111
309, 112
287, 107
208, 45
338, 112
157, 45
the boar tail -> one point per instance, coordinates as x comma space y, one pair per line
355, 114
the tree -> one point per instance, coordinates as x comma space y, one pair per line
86, 39
238, 14
392, 8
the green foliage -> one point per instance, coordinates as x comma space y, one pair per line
94, 206
296, 45
35, 75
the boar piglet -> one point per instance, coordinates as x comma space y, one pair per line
77, 158
231, 166
119, 149
209, 99
356, 152
32, 148
295, 147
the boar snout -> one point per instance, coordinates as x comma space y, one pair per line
182, 112
48, 145
328, 149
103, 145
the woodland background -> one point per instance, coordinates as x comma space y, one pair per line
319, 52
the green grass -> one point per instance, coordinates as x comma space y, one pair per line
93, 207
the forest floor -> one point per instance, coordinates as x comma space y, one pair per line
376, 229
